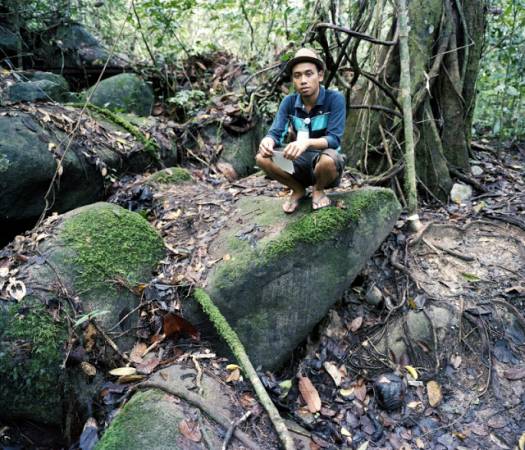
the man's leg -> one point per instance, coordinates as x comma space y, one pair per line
278, 174
325, 174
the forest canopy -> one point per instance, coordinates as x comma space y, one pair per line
262, 32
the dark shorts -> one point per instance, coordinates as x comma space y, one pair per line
305, 164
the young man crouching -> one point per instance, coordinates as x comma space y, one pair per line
317, 117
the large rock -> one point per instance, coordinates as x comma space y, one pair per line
87, 254
9, 41
70, 48
238, 150
124, 93
280, 274
29, 149
31, 91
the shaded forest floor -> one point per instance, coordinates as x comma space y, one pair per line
470, 255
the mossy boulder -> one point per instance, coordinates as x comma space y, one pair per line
171, 175
9, 40
69, 47
125, 92
280, 274
94, 253
151, 418
238, 149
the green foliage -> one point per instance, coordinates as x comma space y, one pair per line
190, 101
501, 85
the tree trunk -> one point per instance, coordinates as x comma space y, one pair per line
445, 44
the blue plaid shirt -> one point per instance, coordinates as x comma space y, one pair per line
326, 119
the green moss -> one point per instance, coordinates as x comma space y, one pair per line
321, 225
31, 353
311, 228
138, 423
219, 322
4, 163
110, 242
172, 175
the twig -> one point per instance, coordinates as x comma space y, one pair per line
109, 341
199, 402
377, 108
198, 378
449, 251
232, 428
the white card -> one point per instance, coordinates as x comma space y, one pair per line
302, 135
282, 162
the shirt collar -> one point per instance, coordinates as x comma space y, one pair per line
320, 99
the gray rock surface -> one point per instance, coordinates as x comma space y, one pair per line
283, 273
9, 41
124, 93
28, 160
461, 193
31, 91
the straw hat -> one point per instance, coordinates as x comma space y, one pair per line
305, 55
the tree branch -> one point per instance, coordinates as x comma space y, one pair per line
356, 34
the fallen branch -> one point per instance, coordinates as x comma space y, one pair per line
200, 403
231, 338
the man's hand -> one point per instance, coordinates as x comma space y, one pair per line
295, 149
266, 147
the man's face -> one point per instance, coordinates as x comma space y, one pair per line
306, 79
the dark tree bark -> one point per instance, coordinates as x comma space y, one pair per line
446, 38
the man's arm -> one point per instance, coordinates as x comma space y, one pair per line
336, 121
279, 128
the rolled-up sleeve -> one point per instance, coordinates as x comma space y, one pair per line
336, 121
279, 128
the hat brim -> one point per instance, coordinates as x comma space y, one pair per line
302, 59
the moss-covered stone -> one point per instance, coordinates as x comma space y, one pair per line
111, 242
138, 423
125, 92
172, 175
306, 229
31, 353
284, 272
93, 252
31, 91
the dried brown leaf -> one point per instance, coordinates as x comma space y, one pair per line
234, 375
434, 393
515, 373
309, 394
356, 324
136, 353
190, 430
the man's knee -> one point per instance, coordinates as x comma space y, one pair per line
263, 163
325, 164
